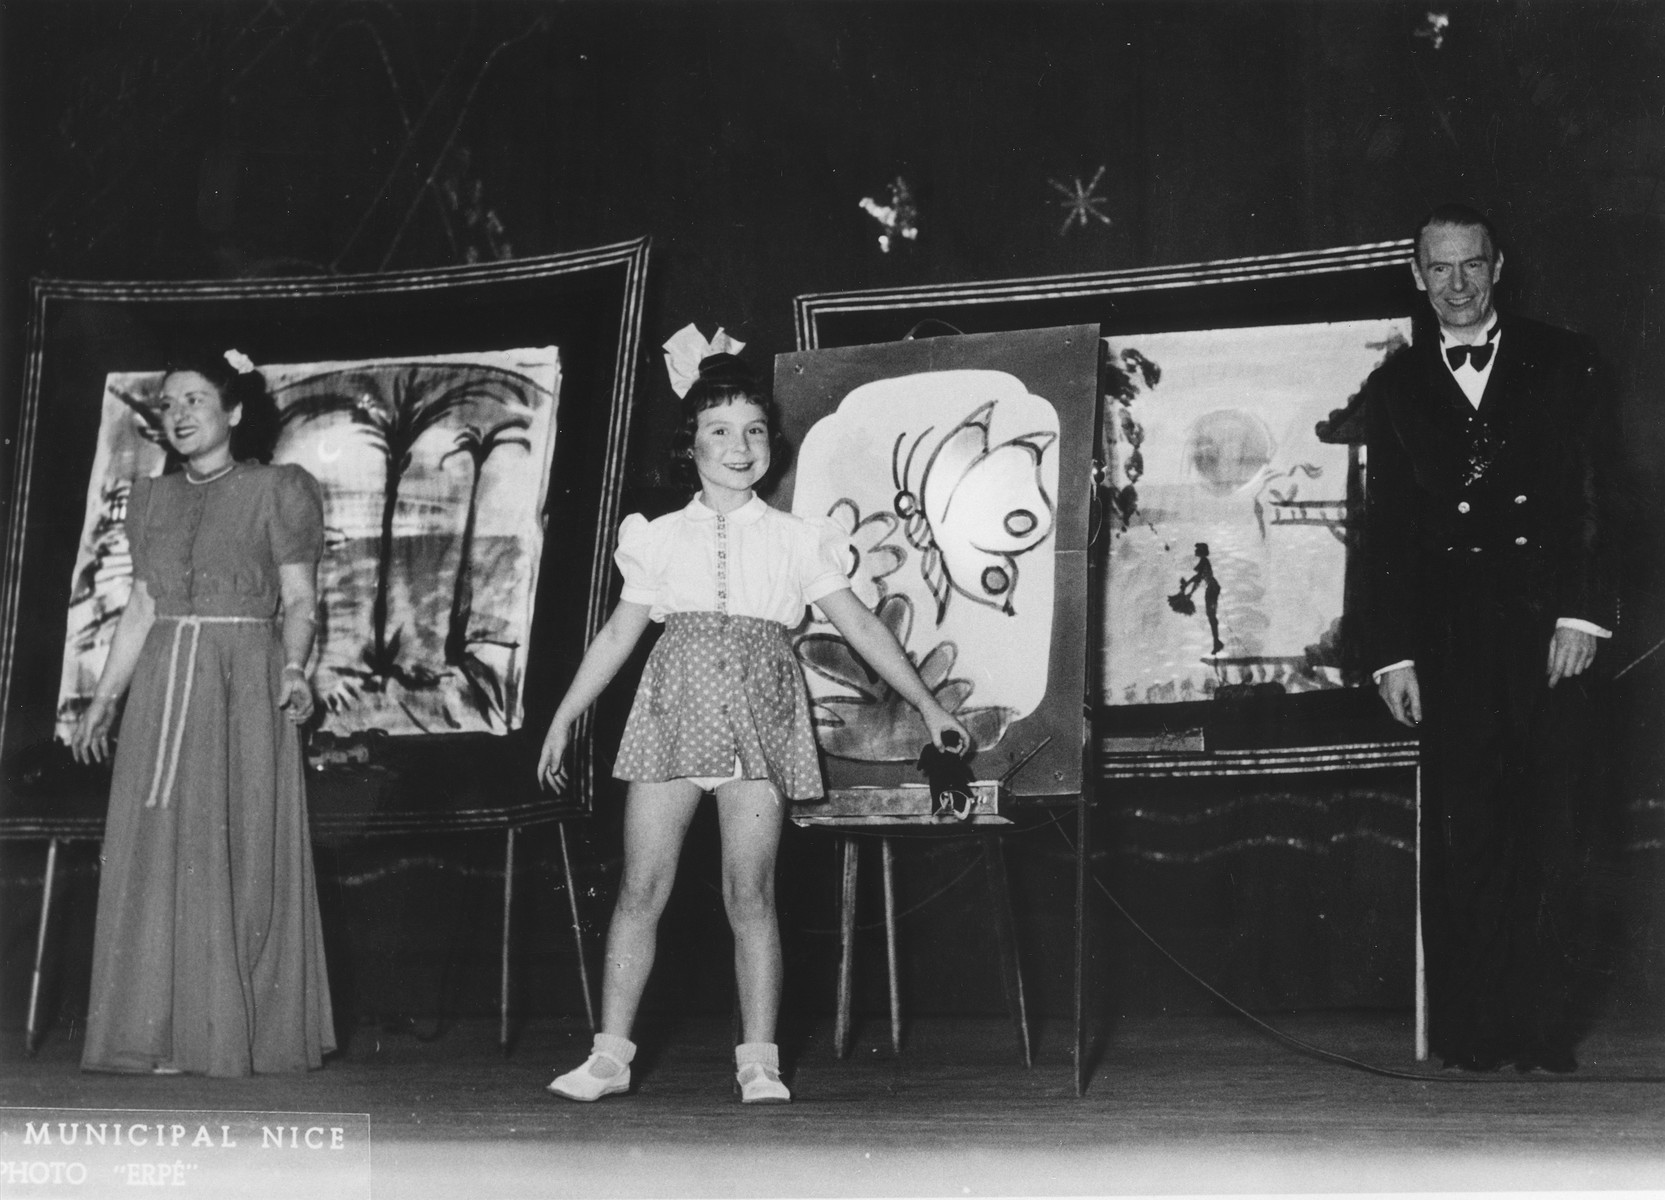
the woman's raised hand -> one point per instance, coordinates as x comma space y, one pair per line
552, 766
90, 742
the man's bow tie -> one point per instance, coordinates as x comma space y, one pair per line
1480, 355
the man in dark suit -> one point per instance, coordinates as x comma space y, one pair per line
1490, 596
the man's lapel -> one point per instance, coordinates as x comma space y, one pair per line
1506, 387
1442, 384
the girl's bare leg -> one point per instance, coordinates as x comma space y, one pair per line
656, 817
749, 813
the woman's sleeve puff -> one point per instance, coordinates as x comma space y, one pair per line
138, 505
635, 558
826, 559
297, 528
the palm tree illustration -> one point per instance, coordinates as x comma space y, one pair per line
478, 444
394, 406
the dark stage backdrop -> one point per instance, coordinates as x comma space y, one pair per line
167, 141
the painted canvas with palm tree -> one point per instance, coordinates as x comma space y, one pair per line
129, 447
434, 472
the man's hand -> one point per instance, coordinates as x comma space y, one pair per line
1399, 690
1571, 651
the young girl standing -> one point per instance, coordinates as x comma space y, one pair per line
721, 708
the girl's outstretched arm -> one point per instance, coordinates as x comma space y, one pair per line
612, 646
869, 638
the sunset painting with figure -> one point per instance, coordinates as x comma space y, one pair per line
1228, 515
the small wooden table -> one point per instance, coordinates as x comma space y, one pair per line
886, 811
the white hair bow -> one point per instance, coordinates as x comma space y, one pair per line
685, 349
240, 362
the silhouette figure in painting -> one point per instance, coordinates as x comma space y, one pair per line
1202, 576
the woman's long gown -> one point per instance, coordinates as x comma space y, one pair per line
208, 956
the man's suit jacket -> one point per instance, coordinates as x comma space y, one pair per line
1516, 486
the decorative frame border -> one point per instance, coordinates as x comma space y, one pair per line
595, 294
1336, 284
821, 318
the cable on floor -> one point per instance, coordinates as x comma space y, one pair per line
1333, 1056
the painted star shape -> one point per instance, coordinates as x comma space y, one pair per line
1082, 200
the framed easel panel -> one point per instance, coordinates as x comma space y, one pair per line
468, 428
1233, 473
960, 468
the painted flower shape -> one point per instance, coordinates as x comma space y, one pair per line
871, 557
872, 722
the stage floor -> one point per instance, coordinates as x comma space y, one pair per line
1177, 1105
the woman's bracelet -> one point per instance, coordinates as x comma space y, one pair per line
296, 667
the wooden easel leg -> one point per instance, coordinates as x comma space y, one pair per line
1082, 858
577, 927
31, 1028
1421, 961
889, 851
1005, 928
846, 948
508, 907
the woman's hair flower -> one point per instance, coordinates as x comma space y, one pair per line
239, 361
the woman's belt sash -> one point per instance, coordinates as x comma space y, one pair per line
173, 724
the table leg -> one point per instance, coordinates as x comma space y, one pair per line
577, 927
1005, 928
508, 906
1083, 877
31, 1027
846, 948
889, 852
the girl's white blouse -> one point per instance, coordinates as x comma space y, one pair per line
776, 562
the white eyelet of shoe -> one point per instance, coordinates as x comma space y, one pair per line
760, 1084
584, 1084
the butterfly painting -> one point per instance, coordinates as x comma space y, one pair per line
945, 482
970, 508
946, 465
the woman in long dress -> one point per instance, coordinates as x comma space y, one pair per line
208, 954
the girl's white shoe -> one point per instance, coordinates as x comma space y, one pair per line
758, 1074
605, 1073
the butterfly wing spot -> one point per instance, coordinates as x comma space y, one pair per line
995, 580
1020, 522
